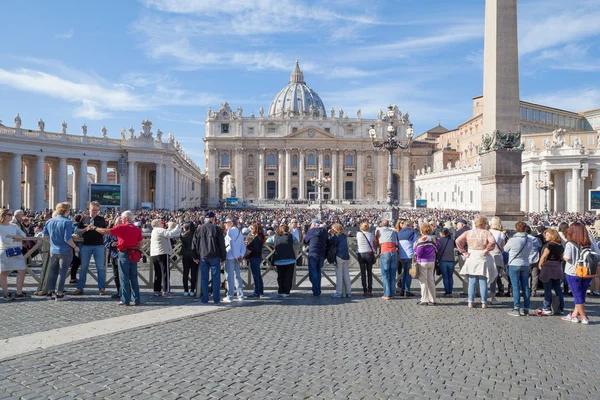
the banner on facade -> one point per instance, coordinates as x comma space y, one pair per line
106, 195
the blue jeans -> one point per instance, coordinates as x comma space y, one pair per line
256, 276
483, 288
447, 268
59, 267
388, 262
406, 278
214, 265
548, 286
315, 263
129, 279
85, 254
519, 277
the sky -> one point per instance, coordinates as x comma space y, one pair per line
118, 62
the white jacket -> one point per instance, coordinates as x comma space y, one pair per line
160, 240
234, 243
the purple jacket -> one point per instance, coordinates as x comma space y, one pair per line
426, 249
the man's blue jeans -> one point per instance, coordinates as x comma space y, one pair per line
214, 265
256, 276
406, 278
553, 284
234, 278
315, 263
59, 267
519, 277
388, 262
483, 288
85, 254
130, 286
447, 268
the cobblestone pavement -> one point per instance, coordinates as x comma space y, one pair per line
306, 347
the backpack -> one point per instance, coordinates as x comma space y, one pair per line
331, 250
587, 263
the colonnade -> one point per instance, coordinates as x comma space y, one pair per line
36, 182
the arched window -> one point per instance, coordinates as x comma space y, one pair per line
310, 160
349, 160
294, 160
251, 159
369, 162
326, 162
225, 159
271, 160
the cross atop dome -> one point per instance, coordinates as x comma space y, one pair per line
297, 75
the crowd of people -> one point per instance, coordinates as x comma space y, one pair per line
535, 258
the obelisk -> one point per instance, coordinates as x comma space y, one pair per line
501, 146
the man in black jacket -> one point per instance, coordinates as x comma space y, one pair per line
209, 249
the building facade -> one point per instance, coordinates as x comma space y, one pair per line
34, 167
274, 155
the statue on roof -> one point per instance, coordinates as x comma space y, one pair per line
358, 113
341, 113
146, 129
83, 129
17, 121
311, 111
104, 132
240, 111
123, 133
171, 138
41, 125
159, 135
63, 128
261, 111
320, 111
380, 114
131, 133
332, 111
208, 112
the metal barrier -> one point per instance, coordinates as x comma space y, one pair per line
146, 269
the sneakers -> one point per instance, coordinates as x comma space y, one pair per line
514, 313
543, 313
60, 297
254, 296
409, 294
77, 292
8, 297
226, 300
241, 298
570, 318
73, 281
167, 294
348, 295
492, 300
585, 321
157, 294
186, 294
336, 295
284, 295
192, 294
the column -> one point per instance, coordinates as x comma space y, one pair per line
30, 184
288, 174
169, 183
406, 195
102, 178
159, 191
334, 175
40, 189
359, 176
83, 185
15, 198
320, 163
131, 185
261, 174
576, 191
239, 171
62, 180
301, 170
559, 193
281, 183
340, 185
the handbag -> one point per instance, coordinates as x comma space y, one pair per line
414, 268
372, 252
13, 252
135, 255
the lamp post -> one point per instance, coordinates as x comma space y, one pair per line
320, 182
545, 185
391, 144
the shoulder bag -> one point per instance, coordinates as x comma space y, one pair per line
372, 252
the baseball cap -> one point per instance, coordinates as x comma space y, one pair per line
461, 221
315, 221
209, 214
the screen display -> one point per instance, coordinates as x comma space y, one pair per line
594, 200
106, 195
421, 203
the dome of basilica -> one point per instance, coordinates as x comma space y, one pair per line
296, 97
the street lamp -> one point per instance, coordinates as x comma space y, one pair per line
545, 185
320, 182
391, 144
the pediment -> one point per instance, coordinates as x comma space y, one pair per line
310, 132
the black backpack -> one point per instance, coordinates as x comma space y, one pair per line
331, 250
587, 263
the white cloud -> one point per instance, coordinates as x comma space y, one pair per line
65, 35
576, 100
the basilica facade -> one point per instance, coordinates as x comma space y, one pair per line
277, 154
